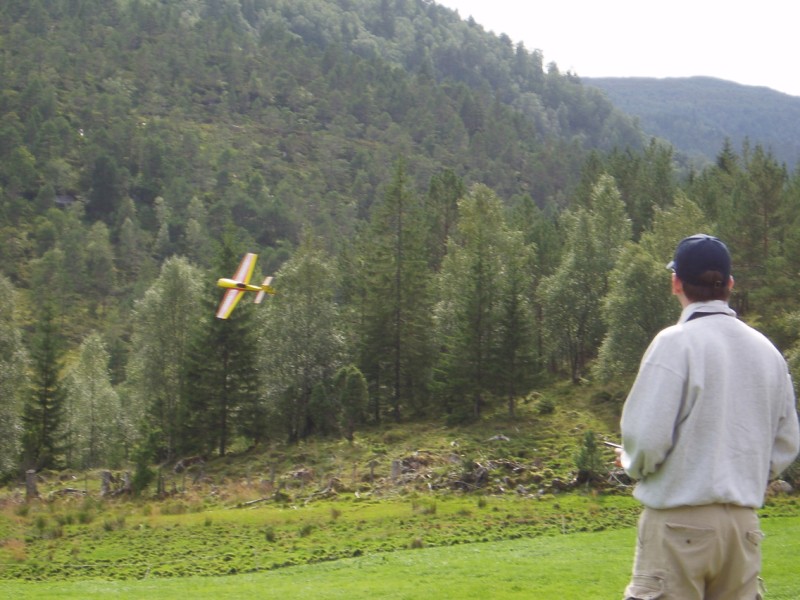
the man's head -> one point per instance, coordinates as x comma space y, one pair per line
702, 263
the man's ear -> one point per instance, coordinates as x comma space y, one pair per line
730, 282
677, 285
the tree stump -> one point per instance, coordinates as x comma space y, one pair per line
105, 483
31, 490
127, 482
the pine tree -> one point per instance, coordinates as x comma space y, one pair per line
43, 415
100, 271
484, 322
222, 396
444, 192
396, 341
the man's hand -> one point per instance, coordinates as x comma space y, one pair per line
618, 461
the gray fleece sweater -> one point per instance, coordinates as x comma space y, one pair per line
711, 416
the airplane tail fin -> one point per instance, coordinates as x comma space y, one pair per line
265, 289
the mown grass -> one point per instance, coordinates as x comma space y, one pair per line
588, 566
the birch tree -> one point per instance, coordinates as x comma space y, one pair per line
639, 302
93, 411
302, 343
572, 297
13, 365
163, 323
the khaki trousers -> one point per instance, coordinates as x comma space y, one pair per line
708, 552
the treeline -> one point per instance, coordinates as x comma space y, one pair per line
442, 305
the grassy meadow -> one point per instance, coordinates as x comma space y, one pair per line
489, 510
580, 565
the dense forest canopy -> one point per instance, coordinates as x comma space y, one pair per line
451, 223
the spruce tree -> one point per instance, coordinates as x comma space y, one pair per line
396, 339
484, 322
222, 392
43, 415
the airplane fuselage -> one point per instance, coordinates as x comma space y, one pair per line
232, 284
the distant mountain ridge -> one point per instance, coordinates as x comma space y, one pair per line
698, 114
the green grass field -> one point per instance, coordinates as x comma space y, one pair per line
579, 565
417, 536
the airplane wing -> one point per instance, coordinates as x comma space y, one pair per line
229, 301
245, 270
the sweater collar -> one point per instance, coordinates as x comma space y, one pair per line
714, 306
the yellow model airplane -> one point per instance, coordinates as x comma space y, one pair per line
240, 284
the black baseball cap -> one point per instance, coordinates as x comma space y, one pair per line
699, 254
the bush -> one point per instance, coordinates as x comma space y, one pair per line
143, 476
270, 535
545, 406
588, 460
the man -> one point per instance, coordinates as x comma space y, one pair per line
709, 420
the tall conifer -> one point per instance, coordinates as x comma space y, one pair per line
44, 411
396, 340
222, 392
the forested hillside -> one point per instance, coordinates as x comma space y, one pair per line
698, 114
452, 225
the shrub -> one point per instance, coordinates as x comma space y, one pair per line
545, 406
306, 530
40, 523
173, 508
114, 524
588, 461
270, 535
142, 477
424, 509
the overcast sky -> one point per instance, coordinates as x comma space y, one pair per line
753, 42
